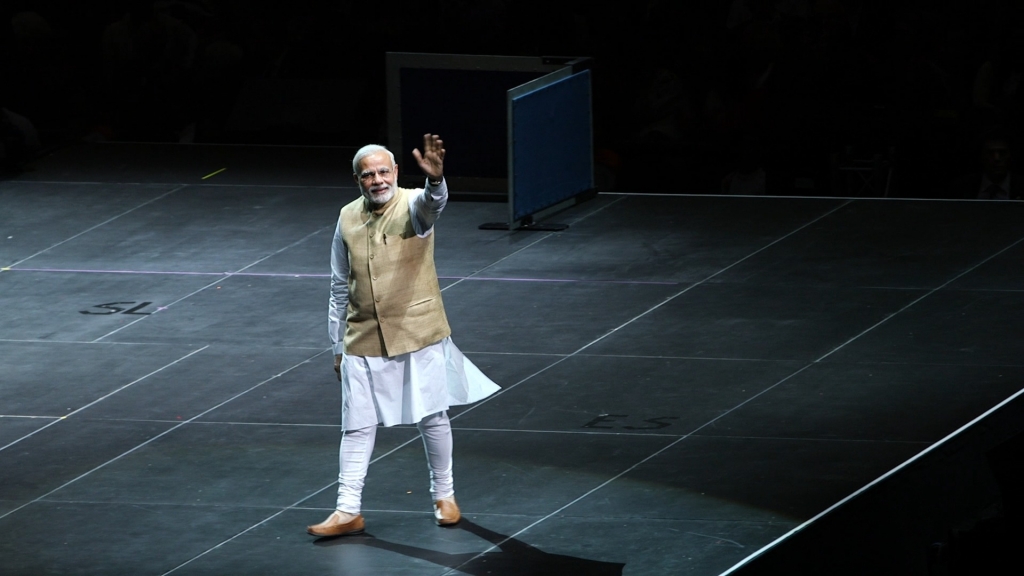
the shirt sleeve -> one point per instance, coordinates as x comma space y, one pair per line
426, 206
338, 306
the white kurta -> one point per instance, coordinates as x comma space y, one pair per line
402, 389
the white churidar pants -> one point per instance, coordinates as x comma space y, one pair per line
417, 387
357, 447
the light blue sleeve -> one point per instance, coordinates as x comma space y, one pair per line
338, 306
426, 206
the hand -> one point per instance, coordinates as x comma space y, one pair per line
337, 365
432, 160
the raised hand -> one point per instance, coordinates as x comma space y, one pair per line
431, 161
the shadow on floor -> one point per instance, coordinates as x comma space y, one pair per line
514, 558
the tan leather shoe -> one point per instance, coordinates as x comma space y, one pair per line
446, 512
338, 525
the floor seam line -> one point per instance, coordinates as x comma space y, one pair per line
160, 435
705, 280
609, 481
922, 297
903, 464
104, 223
58, 419
900, 466
544, 237
226, 276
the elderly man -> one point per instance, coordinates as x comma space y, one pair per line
995, 181
393, 352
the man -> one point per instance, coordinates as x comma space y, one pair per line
996, 181
995, 175
394, 356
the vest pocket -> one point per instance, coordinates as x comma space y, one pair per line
421, 302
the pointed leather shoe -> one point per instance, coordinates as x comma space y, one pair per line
446, 512
335, 526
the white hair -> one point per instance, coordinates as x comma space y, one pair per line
366, 151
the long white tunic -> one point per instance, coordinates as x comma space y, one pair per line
401, 389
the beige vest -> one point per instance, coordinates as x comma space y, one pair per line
394, 301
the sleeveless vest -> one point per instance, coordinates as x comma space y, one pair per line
394, 301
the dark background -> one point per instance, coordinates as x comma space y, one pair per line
684, 94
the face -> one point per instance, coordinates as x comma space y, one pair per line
995, 157
376, 178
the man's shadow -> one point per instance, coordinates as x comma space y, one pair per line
514, 558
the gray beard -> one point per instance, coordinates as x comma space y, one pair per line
380, 200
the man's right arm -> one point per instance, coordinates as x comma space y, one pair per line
338, 306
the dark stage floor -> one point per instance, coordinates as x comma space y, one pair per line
686, 378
